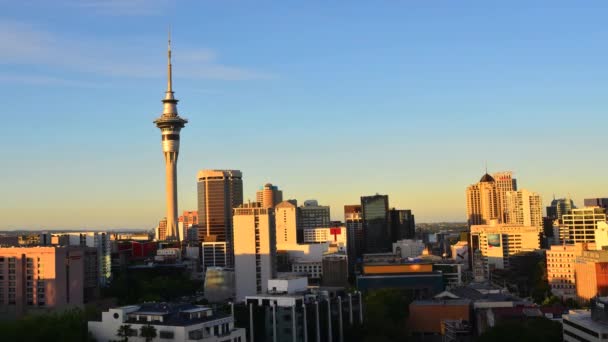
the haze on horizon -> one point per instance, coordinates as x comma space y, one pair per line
327, 101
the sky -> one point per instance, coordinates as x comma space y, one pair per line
327, 100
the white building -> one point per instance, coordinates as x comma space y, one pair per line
579, 326
254, 249
333, 235
288, 284
97, 240
313, 269
460, 253
305, 252
580, 224
168, 255
173, 322
408, 248
524, 207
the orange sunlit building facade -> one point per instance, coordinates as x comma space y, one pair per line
591, 272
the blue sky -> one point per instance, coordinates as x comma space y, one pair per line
327, 100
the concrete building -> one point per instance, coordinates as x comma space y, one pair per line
173, 322
219, 192
498, 243
287, 222
402, 224
376, 224
482, 201
100, 241
160, 232
524, 208
560, 263
219, 284
269, 196
591, 275
580, 224
312, 269
170, 125
335, 270
596, 202
214, 254
334, 235
46, 279
292, 313
408, 248
587, 325
504, 183
460, 253
254, 249
560, 207
353, 219
188, 219
313, 215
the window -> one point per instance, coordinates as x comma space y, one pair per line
166, 334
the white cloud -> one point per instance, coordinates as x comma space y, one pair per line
24, 44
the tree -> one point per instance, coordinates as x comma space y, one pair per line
148, 332
124, 331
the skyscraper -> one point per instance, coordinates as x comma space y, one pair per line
312, 215
354, 234
559, 207
170, 124
269, 195
376, 230
219, 191
403, 225
254, 249
524, 207
504, 183
482, 201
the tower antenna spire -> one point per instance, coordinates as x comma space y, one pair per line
169, 69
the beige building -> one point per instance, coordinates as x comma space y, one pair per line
286, 216
269, 196
482, 201
254, 249
499, 242
504, 183
46, 279
580, 224
524, 207
561, 260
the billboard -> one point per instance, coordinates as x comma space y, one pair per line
493, 240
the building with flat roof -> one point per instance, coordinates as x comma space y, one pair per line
580, 224
376, 224
173, 322
560, 263
498, 243
428, 317
587, 325
98, 240
254, 249
591, 274
287, 220
46, 279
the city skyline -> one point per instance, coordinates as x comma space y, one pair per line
432, 129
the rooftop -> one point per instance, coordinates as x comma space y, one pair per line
173, 314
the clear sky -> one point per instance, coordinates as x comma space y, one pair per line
329, 100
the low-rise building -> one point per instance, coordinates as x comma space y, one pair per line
429, 317
173, 322
560, 268
591, 274
587, 325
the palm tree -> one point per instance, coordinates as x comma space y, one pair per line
124, 331
148, 332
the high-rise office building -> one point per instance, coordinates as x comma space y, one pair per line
560, 207
269, 195
188, 219
354, 234
170, 124
313, 215
504, 183
287, 220
596, 202
376, 229
482, 201
219, 191
580, 224
160, 233
524, 207
254, 249
403, 225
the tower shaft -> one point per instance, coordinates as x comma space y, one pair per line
171, 189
